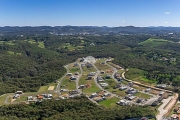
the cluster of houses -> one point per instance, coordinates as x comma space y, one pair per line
100, 96
118, 77
39, 97
101, 82
17, 94
124, 102
73, 77
161, 86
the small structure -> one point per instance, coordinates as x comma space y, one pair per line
123, 102
130, 84
108, 77
16, 96
76, 64
30, 98
140, 100
102, 72
93, 95
104, 84
148, 89
174, 117
161, 86
40, 97
47, 96
161, 93
69, 74
76, 73
19, 92
92, 74
100, 79
107, 94
73, 78
73, 92
123, 87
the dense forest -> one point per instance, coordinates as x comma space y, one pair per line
71, 109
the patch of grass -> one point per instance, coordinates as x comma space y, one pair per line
110, 102
31, 41
151, 42
101, 66
11, 52
3, 98
67, 84
41, 44
138, 75
43, 89
143, 95
75, 69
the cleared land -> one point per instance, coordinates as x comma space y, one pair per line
100, 64
138, 75
110, 102
143, 95
67, 84
151, 42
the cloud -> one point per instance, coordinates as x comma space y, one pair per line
166, 22
167, 13
123, 21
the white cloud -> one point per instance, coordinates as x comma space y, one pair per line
123, 21
167, 13
166, 22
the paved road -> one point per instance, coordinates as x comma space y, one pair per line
114, 71
77, 81
161, 109
138, 83
60, 81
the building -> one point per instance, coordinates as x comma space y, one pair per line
93, 95
73, 78
103, 84
19, 92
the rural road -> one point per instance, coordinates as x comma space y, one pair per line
59, 83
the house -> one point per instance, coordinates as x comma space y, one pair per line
148, 89
81, 60
89, 65
117, 86
30, 98
89, 77
108, 77
100, 79
64, 90
39, 96
140, 100
76, 64
73, 92
104, 84
174, 117
123, 87
131, 97
81, 87
69, 74
130, 84
102, 72
75, 95
76, 73
98, 99
73, 78
123, 102
107, 94
93, 95
161, 93
19, 92
16, 96
161, 86
92, 74
155, 103
47, 96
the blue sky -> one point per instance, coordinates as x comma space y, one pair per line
90, 12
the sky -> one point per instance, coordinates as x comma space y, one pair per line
110, 13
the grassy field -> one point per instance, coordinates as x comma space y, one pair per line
43, 89
31, 41
138, 75
88, 70
3, 98
143, 95
70, 47
110, 102
121, 93
7, 42
41, 44
67, 84
101, 66
151, 42
73, 69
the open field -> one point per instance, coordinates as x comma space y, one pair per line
151, 42
41, 44
3, 98
88, 70
121, 93
43, 88
100, 64
110, 102
67, 84
143, 95
73, 69
70, 47
138, 75
7, 42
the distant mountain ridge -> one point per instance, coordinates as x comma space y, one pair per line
84, 30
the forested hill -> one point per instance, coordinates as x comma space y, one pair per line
86, 30
71, 109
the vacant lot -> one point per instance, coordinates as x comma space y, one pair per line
67, 84
100, 64
110, 102
143, 95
